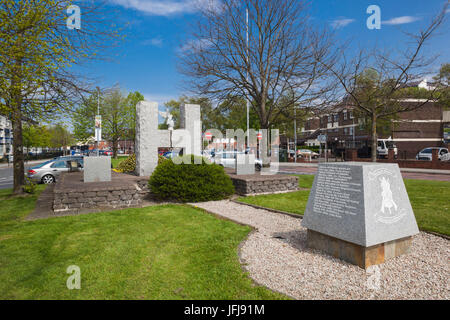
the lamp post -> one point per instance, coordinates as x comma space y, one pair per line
98, 123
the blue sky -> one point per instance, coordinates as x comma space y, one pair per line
146, 61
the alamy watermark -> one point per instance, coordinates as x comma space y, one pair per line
74, 281
74, 19
374, 20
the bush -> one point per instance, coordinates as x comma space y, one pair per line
190, 182
127, 165
30, 187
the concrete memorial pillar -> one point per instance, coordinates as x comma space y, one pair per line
245, 164
359, 212
97, 169
149, 138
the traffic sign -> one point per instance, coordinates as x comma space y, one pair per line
259, 136
208, 135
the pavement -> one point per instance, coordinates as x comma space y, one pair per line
407, 173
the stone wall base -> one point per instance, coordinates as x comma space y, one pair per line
363, 257
258, 184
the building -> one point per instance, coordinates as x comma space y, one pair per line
411, 131
6, 137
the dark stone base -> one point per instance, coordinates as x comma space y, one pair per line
363, 257
72, 194
254, 184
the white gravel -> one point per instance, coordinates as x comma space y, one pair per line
286, 265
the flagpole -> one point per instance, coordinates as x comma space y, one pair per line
247, 101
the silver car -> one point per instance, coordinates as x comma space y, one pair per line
427, 154
49, 171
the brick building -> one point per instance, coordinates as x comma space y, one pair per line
411, 131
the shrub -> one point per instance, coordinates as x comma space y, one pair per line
30, 187
190, 182
127, 165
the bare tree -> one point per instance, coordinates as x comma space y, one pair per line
374, 81
279, 68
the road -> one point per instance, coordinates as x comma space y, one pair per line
406, 175
6, 175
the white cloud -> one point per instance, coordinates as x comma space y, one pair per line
400, 20
340, 23
165, 7
156, 42
194, 45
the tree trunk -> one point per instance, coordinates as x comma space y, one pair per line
374, 137
19, 170
115, 143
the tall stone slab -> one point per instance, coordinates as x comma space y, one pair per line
245, 164
359, 212
149, 138
97, 169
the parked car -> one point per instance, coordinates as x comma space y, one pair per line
227, 159
427, 154
170, 154
305, 153
106, 153
383, 148
49, 171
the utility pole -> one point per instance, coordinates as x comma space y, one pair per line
98, 123
295, 132
247, 101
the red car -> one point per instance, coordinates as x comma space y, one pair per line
106, 153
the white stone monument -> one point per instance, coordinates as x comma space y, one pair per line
149, 138
97, 169
360, 212
245, 164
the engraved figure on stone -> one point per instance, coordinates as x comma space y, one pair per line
386, 194
169, 119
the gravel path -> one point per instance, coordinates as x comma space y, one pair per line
276, 256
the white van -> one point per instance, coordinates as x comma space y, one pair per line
383, 148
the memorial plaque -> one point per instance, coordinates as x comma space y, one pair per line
360, 203
97, 169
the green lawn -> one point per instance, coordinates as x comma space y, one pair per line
115, 162
163, 252
429, 199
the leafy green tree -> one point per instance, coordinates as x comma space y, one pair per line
118, 116
36, 136
37, 51
60, 137
443, 85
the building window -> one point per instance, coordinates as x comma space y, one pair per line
351, 114
336, 117
351, 130
345, 114
330, 118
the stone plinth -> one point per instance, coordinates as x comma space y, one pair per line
359, 210
255, 184
245, 164
71, 194
97, 169
361, 256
